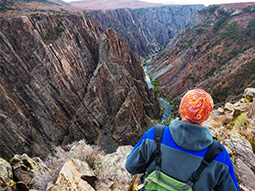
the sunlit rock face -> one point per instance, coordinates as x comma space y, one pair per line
64, 80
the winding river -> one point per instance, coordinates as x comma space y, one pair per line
167, 107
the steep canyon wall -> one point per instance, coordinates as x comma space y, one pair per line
214, 52
63, 80
72, 77
145, 30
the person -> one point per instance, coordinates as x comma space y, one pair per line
184, 144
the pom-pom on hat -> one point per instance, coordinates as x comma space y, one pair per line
196, 106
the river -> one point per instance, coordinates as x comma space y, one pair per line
168, 111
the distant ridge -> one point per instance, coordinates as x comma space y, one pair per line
112, 4
24, 7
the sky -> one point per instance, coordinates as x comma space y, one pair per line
205, 2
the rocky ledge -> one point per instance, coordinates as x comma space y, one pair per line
80, 166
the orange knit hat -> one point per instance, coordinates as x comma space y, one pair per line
196, 105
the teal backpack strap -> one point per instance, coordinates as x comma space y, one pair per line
158, 132
213, 150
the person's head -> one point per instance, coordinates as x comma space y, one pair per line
196, 106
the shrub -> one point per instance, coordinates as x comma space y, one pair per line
54, 33
221, 22
251, 28
210, 73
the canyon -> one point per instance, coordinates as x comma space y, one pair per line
72, 77
145, 30
86, 167
214, 52
71, 81
55, 91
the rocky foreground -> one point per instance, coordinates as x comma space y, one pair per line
80, 166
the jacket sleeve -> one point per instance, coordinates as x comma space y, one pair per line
137, 159
228, 180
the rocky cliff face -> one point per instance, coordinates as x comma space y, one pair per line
85, 167
145, 30
63, 80
214, 52
66, 78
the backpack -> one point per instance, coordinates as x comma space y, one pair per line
158, 181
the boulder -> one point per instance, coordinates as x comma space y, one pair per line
6, 184
245, 175
87, 173
71, 178
251, 113
112, 174
244, 150
85, 152
229, 107
23, 168
40, 165
5, 169
234, 110
243, 159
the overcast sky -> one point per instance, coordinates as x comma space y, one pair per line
205, 2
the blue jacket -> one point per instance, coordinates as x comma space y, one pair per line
183, 148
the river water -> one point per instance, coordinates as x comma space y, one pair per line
150, 85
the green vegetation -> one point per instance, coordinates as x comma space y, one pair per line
244, 77
240, 121
210, 73
248, 99
249, 9
168, 120
35, 16
235, 33
155, 86
223, 21
240, 125
54, 33
251, 29
199, 31
6, 156
157, 90
5, 6
212, 8
170, 102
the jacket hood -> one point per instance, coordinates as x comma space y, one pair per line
190, 136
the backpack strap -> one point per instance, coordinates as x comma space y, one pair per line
213, 150
158, 132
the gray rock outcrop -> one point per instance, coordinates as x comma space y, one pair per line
145, 30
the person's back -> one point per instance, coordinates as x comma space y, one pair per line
184, 144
